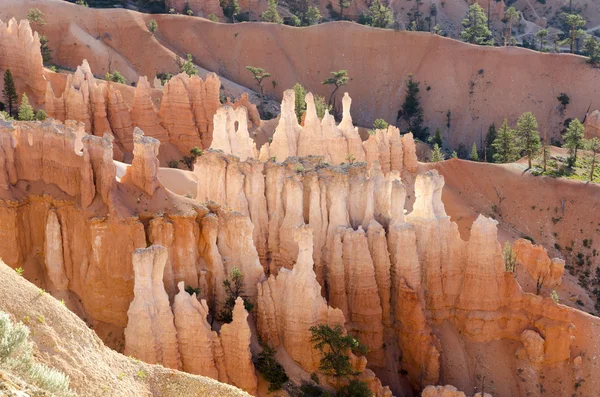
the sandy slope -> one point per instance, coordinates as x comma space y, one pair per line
63, 341
479, 85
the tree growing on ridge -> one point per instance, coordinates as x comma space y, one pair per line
575, 22
436, 154
475, 27
528, 135
490, 137
26, 112
511, 15
344, 4
378, 16
335, 348
271, 14
574, 140
412, 111
542, 34
505, 147
10, 92
593, 145
259, 75
474, 156
338, 78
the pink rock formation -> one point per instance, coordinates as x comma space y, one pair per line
199, 346
143, 112
289, 304
53, 256
150, 334
20, 52
143, 172
253, 116
176, 114
592, 124
534, 258
442, 391
235, 338
228, 138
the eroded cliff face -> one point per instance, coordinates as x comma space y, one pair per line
180, 113
335, 144
335, 241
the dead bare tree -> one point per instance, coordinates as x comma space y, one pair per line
501, 198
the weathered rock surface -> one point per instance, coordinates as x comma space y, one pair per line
150, 334
534, 258
592, 124
236, 348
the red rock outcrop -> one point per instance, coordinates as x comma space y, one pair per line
544, 271
592, 124
143, 172
150, 334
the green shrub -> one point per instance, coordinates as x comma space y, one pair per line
115, 77
270, 369
310, 390
355, 388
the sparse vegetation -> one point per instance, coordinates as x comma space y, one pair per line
191, 290
115, 77
378, 16
26, 112
191, 159
259, 75
270, 369
338, 79
509, 257
16, 356
504, 145
380, 124
234, 288
436, 154
152, 26
335, 347
573, 140
528, 136
187, 66
271, 14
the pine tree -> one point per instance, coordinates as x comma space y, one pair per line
26, 112
337, 79
511, 15
575, 22
188, 66
505, 148
542, 34
474, 155
528, 135
379, 15
344, 4
10, 92
574, 140
259, 75
489, 141
437, 138
412, 111
436, 154
475, 27
300, 102
271, 14
593, 145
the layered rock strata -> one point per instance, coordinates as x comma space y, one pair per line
336, 144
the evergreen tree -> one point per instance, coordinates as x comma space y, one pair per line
152, 26
593, 145
271, 14
231, 8
380, 124
575, 22
474, 155
437, 138
511, 15
26, 112
234, 288
115, 77
412, 111
505, 147
528, 135
490, 137
378, 16
436, 154
343, 5
188, 66
337, 79
454, 154
335, 348
591, 48
475, 27
35, 17
45, 49
542, 34
574, 140
259, 75
321, 106
313, 16
10, 92
300, 101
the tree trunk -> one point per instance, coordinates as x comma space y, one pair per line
545, 153
593, 166
573, 40
529, 160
